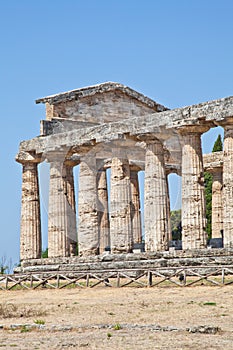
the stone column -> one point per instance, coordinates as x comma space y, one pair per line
88, 232
228, 187
135, 206
30, 237
193, 199
169, 227
156, 198
70, 194
59, 215
103, 215
217, 205
120, 216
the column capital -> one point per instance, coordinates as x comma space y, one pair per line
149, 138
228, 130
227, 123
28, 158
58, 155
72, 161
213, 161
192, 129
215, 170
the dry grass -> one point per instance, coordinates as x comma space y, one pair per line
85, 308
10, 310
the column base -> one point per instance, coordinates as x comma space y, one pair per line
121, 250
89, 252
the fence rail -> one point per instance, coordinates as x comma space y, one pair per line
176, 276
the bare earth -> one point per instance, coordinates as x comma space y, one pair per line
111, 318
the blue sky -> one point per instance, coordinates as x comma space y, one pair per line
177, 52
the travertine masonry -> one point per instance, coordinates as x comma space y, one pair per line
193, 201
88, 233
228, 187
120, 208
89, 126
30, 240
70, 195
59, 215
217, 205
103, 214
195, 258
156, 197
135, 206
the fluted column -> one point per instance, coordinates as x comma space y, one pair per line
103, 215
70, 194
156, 198
193, 199
217, 205
135, 206
59, 213
120, 216
30, 236
169, 226
88, 233
228, 187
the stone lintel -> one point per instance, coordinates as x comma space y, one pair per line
216, 112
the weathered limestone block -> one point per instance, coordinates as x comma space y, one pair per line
30, 238
193, 199
61, 214
101, 103
217, 205
126, 112
88, 232
208, 258
120, 215
68, 178
103, 215
156, 198
135, 206
228, 187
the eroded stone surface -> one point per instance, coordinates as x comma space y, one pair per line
193, 202
103, 214
95, 121
228, 187
88, 233
60, 215
30, 239
156, 198
70, 195
135, 207
120, 211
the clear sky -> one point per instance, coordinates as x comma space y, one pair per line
177, 52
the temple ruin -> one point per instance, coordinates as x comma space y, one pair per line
111, 126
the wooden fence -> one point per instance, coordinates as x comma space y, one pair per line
176, 276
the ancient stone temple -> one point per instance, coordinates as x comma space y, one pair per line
112, 132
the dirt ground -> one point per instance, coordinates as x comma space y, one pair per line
124, 318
